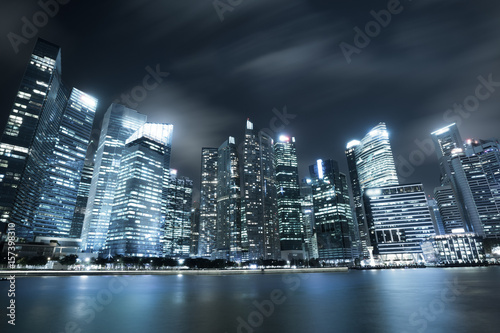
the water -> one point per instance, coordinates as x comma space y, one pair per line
411, 300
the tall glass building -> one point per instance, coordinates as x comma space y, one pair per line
178, 219
58, 195
333, 219
400, 220
260, 231
82, 199
448, 209
138, 216
36, 111
118, 124
42, 149
228, 236
208, 202
289, 207
371, 164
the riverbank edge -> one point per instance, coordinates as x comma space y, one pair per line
20, 273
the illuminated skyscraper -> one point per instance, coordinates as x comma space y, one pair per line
333, 219
36, 111
178, 219
228, 236
195, 231
289, 207
400, 220
307, 217
259, 220
448, 209
43, 148
58, 194
137, 225
208, 202
371, 164
118, 124
82, 200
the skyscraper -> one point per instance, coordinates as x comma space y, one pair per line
82, 200
259, 218
138, 211
43, 148
289, 208
208, 202
228, 235
332, 212
307, 217
178, 219
195, 231
118, 124
37, 110
371, 164
58, 193
399, 220
448, 209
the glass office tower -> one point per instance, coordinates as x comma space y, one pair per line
208, 202
138, 214
82, 198
400, 220
118, 124
371, 164
37, 90
178, 219
260, 231
228, 237
333, 219
289, 207
58, 194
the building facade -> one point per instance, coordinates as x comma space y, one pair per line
208, 202
289, 207
137, 225
399, 220
119, 123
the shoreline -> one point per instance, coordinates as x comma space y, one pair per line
22, 273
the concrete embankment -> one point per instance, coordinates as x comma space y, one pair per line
21, 273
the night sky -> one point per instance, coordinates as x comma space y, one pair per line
268, 55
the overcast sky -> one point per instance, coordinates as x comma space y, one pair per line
244, 60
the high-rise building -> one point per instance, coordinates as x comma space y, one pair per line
453, 249
476, 177
446, 140
228, 235
58, 194
178, 219
208, 202
371, 164
447, 204
82, 199
307, 217
137, 225
259, 221
118, 124
436, 217
400, 220
333, 219
43, 149
195, 231
39, 90
289, 207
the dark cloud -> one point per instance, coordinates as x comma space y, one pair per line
271, 54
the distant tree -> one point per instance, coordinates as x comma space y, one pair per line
68, 260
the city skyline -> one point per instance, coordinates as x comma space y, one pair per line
224, 74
